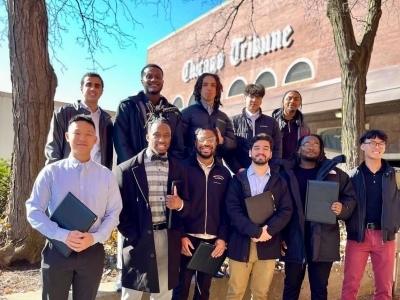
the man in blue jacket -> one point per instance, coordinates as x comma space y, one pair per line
248, 124
206, 112
208, 220
371, 230
253, 249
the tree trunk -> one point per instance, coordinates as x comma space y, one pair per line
33, 88
354, 61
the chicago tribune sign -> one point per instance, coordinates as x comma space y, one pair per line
241, 50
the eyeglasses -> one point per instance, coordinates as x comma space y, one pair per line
374, 144
209, 140
311, 146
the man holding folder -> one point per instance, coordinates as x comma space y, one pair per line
312, 243
96, 187
152, 186
254, 247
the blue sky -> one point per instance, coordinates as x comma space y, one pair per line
123, 79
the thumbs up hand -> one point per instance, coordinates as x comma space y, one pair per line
173, 201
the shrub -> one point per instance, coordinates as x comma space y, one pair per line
5, 184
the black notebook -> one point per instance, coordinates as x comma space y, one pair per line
319, 200
71, 214
260, 207
203, 262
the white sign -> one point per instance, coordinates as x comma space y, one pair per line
255, 46
193, 70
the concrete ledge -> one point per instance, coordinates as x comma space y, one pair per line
219, 288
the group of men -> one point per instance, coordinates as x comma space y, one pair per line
171, 191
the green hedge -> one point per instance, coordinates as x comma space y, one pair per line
5, 183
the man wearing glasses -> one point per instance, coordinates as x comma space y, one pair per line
372, 228
312, 244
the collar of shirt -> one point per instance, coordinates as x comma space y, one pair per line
365, 168
84, 106
251, 115
208, 107
204, 166
149, 154
250, 172
76, 163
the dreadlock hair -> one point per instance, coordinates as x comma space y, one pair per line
256, 90
155, 119
159, 111
92, 74
150, 66
200, 129
199, 84
321, 155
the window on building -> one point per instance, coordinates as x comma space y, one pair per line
299, 71
178, 102
267, 79
191, 100
237, 88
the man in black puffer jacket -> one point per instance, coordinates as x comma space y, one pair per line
205, 112
313, 244
371, 230
248, 124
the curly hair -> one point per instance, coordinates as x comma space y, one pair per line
199, 84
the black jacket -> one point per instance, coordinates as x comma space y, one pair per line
57, 147
325, 238
243, 228
390, 220
196, 116
243, 128
207, 198
130, 132
139, 270
303, 128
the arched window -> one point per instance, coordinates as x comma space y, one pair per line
299, 71
178, 102
237, 88
267, 79
191, 100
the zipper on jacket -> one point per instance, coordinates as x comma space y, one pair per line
206, 216
384, 239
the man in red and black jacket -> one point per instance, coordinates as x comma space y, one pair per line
208, 220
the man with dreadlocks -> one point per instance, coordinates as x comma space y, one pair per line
134, 112
151, 242
131, 120
205, 112
309, 243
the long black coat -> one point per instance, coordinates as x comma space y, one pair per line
139, 271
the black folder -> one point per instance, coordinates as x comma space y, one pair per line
319, 200
221, 125
203, 262
71, 214
260, 207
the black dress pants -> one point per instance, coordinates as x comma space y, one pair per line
318, 275
82, 270
203, 280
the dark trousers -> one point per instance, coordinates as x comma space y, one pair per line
82, 270
318, 275
203, 280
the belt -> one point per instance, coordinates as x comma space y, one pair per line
160, 226
373, 226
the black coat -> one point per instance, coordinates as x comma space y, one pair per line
325, 238
196, 116
58, 148
130, 132
243, 128
139, 271
207, 199
390, 223
243, 228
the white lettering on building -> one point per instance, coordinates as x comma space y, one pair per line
192, 70
243, 50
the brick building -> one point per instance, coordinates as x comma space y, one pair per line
285, 47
